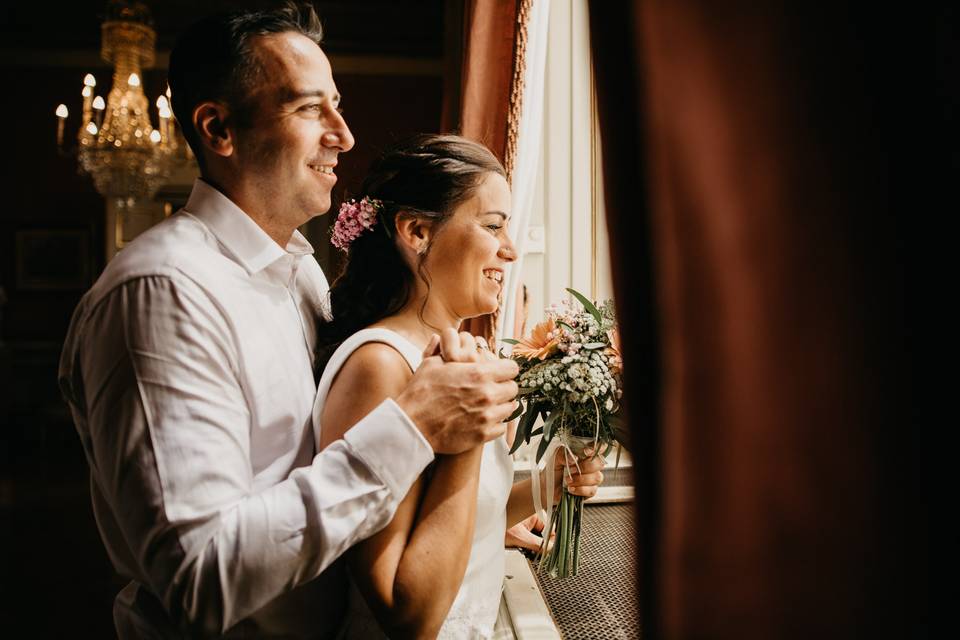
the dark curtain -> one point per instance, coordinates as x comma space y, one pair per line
487, 71
489, 28
759, 276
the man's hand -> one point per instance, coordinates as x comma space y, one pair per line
461, 398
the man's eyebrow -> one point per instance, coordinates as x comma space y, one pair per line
292, 95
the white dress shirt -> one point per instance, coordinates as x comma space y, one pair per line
188, 370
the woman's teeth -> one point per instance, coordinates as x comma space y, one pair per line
493, 274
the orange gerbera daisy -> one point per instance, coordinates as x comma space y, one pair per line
614, 349
542, 342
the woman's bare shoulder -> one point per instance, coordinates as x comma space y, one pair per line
374, 372
375, 364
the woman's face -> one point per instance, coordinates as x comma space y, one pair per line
467, 257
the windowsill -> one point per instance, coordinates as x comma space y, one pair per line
528, 612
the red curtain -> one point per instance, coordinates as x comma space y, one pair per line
758, 269
487, 71
487, 78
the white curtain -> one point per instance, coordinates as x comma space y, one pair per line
527, 159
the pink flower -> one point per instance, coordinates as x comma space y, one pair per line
354, 218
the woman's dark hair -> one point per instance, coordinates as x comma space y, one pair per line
427, 176
213, 60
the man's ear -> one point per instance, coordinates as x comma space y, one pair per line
210, 121
413, 233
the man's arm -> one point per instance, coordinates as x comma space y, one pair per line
169, 437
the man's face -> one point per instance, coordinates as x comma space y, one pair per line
287, 154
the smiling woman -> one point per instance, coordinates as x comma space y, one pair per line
439, 242
426, 249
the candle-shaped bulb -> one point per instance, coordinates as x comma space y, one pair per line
162, 103
133, 80
92, 128
168, 92
87, 91
154, 136
98, 104
61, 118
89, 80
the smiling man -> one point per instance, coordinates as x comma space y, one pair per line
188, 366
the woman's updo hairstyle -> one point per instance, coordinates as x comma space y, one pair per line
427, 176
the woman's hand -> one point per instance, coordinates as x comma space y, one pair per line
523, 534
579, 482
460, 347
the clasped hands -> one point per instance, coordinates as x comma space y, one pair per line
498, 393
581, 476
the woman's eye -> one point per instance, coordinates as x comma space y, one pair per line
494, 227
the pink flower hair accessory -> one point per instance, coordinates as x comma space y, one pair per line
354, 218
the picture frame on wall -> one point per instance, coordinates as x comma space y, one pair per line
53, 259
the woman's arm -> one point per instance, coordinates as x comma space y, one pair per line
411, 570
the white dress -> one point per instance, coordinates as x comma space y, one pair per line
474, 610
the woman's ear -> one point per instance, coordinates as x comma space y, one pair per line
413, 233
210, 122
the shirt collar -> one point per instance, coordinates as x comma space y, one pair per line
237, 232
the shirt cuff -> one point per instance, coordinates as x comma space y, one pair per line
388, 442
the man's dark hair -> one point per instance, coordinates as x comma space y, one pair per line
213, 60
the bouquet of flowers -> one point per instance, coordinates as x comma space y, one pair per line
570, 375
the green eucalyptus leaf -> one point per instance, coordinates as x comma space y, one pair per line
516, 413
509, 341
618, 426
548, 423
589, 306
544, 443
524, 427
517, 441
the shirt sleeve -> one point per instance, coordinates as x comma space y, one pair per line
168, 443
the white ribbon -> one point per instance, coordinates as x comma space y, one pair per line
558, 442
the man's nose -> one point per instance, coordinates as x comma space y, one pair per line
339, 137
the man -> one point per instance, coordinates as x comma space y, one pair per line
188, 365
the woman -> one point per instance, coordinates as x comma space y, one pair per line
427, 246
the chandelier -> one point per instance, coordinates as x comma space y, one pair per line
127, 158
